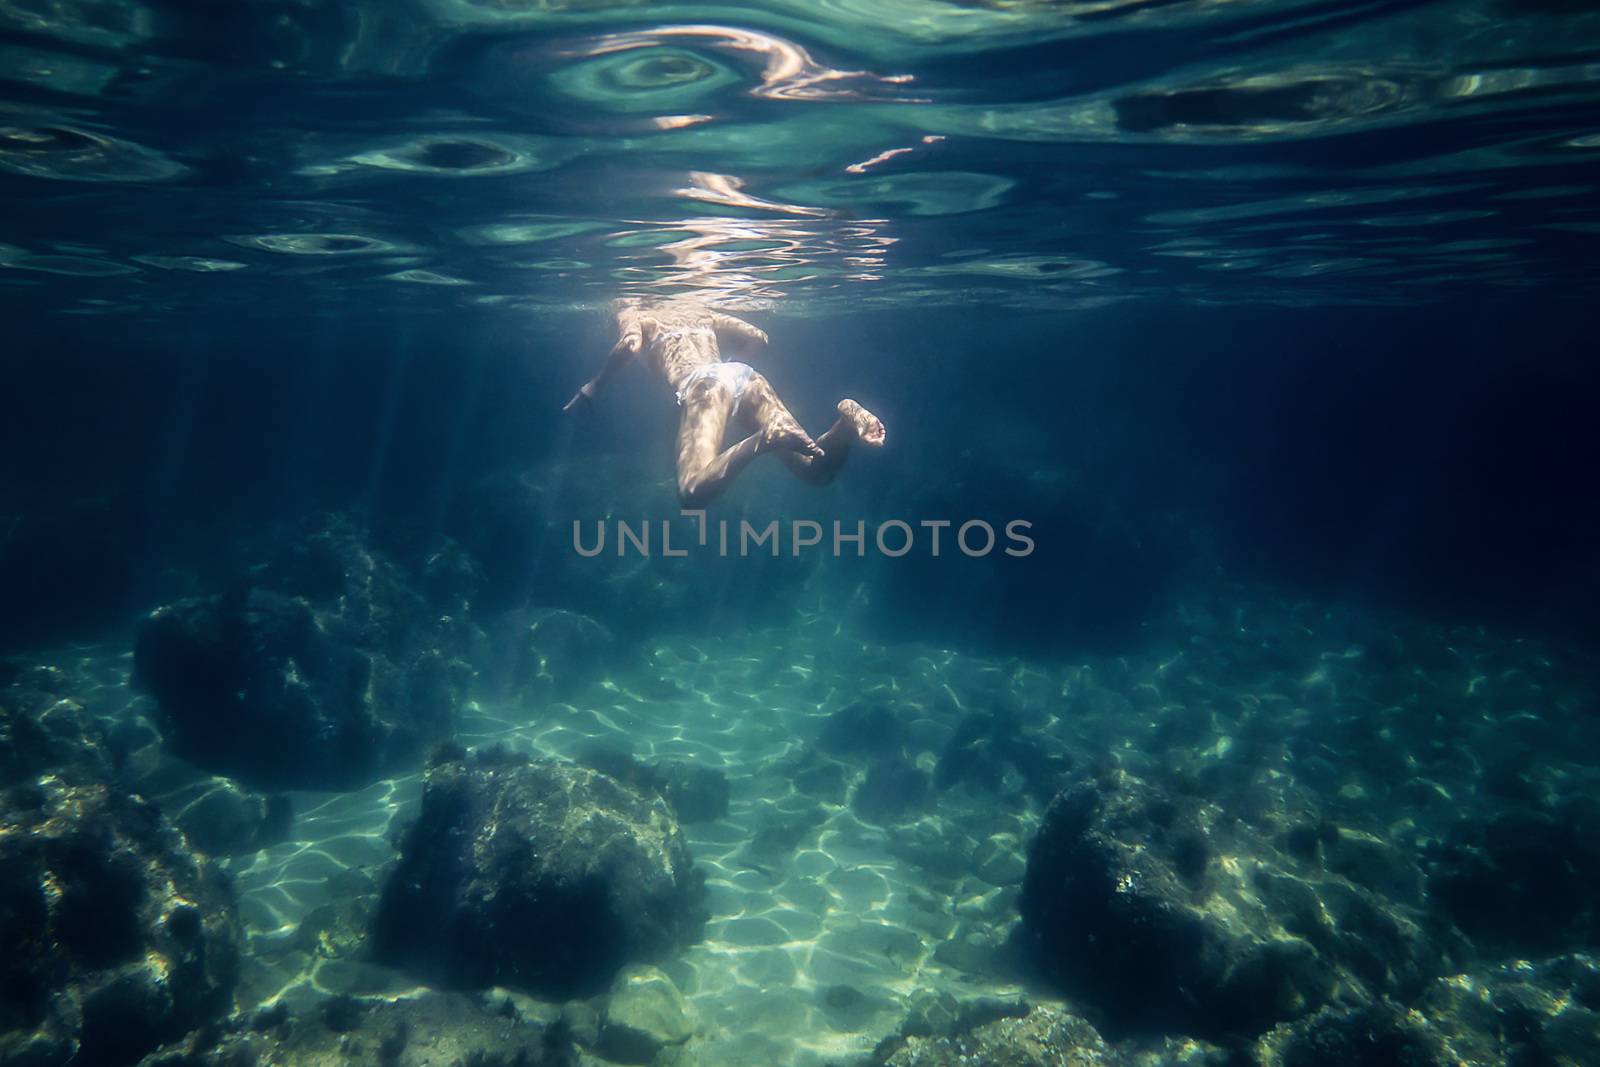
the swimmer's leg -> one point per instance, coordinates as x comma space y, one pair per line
705, 468
855, 423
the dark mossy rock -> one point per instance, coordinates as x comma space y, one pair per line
43, 731
39, 734
540, 876
1523, 1012
1167, 916
324, 668
941, 1013
1044, 1037
1381, 1034
252, 687
431, 1029
114, 936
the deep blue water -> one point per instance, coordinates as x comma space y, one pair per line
1274, 320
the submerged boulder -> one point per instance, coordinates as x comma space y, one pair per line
1044, 1037
1380, 1034
324, 668
114, 936
43, 733
424, 1030
1521, 1012
541, 876
1170, 916
644, 1014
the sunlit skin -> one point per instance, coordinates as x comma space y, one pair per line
676, 340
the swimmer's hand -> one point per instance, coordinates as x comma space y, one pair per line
582, 400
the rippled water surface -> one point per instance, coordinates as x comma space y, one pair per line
429, 154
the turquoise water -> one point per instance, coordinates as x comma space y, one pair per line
447, 154
1260, 333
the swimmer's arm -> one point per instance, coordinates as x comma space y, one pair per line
736, 333
627, 347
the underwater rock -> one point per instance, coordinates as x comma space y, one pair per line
43, 730
40, 734
1524, 1012
939, 1013
324, 669
644, 1014
1381, 1034
252, 687
540, 876
1047, 1036
1170, 917
114, 936
430, 1028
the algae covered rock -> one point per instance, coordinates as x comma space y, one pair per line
541, 876
40, 733
1372, 1035
431, 1029
1170, 916
1525, 1011
323, 668
114, 936
1045, 1037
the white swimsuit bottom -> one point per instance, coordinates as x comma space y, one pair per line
734, 375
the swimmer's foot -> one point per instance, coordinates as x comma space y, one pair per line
868, 427
783, 438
